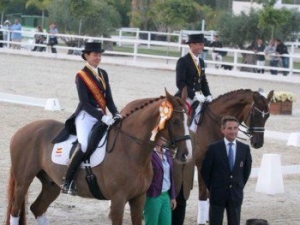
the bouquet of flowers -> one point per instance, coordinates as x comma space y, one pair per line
282, 96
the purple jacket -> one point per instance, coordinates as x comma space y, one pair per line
157, 180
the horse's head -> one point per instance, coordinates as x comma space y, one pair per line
257, 115
177, 131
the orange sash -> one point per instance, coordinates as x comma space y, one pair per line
92, 86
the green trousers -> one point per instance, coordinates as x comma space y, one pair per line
157, 210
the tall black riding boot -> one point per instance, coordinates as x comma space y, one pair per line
68, 186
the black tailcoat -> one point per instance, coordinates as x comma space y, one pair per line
187, 75
87, 101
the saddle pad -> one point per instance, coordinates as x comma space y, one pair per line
61, 152
193, 126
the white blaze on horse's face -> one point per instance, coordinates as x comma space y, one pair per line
189, 141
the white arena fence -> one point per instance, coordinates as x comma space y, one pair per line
134, 44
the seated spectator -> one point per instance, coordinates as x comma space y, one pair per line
39, 39
216, 54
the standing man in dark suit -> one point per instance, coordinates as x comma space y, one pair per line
193, 87
225, 171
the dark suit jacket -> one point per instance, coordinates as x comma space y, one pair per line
187, 75
222, 183
158, 175
87, 101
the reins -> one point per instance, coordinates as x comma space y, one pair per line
173, 139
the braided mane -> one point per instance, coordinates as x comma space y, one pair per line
232, 93
143, 106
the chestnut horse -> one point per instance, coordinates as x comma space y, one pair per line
252, 111
123, 176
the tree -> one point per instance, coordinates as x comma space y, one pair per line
271, 19
41, 5
172, 14
238, 30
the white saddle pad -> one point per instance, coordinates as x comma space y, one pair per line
61, 152
193, 126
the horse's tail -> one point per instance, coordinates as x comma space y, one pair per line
10, 199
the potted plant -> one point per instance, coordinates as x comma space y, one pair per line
282, 103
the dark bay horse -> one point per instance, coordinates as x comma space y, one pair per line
123, 176
250, 108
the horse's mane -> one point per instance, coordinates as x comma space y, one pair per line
143, 105
235, 92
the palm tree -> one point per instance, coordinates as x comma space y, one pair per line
41, 5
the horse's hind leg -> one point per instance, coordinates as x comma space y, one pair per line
49, 193
136, 209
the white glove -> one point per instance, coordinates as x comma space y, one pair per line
118, 116
108, 120
209, 98
117, 119
200, 98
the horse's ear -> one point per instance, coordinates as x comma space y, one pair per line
270, 95
184, 93
168, 95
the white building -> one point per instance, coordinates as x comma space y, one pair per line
238, 6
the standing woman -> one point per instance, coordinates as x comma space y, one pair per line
52, 37
160, 199
94, 97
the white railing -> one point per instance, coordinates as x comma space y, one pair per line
136, 44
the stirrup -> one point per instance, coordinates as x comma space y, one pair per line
68, 188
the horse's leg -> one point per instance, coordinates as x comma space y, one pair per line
17, 190
136, 209
49, 193
117, 209
203, 205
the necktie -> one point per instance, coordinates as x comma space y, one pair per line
230, 155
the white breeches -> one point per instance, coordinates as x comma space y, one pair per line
84, 123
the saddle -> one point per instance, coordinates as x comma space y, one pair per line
95, 136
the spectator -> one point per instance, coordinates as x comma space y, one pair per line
270, 51
205, 51
39, 39
216, 54
160, 199
282, 49
225, 170
16, 35
6, 28
259, 48
52, 37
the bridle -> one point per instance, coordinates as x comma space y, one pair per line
172, 144
173, 139
251, 129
